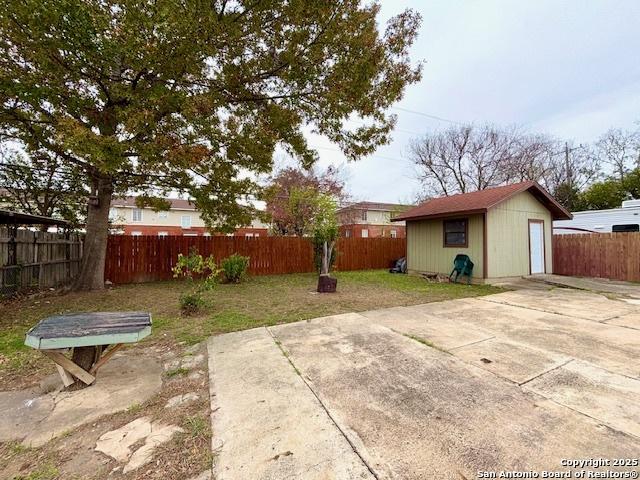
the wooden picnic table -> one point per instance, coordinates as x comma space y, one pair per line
88, 336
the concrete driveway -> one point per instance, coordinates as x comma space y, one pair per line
517, 381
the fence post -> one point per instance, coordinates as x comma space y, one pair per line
12, 255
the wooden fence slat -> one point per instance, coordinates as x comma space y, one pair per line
615, 256
149, 258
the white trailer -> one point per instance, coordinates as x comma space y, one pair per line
623, 219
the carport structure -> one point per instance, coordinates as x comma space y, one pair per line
511, 382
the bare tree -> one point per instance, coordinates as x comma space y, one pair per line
468, 158
620, 149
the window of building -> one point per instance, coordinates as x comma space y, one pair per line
162, 214
256, 235
163, 234
364, 215
455, 232
189, 234
136, 215
136, 234
206, 234
113, 214
185, 221
365, 233
393, 233
248, 235
347, 233
630, 227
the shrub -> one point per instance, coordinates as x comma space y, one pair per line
194, 264
234, 268
191, 303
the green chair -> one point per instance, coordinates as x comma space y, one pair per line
462, 265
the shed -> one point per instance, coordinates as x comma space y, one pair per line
506, 231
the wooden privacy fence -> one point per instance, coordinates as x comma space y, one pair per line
132, 259
615, 256
37, 259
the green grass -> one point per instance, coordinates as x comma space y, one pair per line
425, 342
196, 426
259, 301
46, 472
177, 372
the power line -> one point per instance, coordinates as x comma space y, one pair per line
433, 117
373, 156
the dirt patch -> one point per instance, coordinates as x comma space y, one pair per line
72, 455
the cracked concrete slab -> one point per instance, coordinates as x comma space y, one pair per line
609, 346
159, 434
416, 412
608, 397
631, 320
117, 443
267, 423
34, 418
514, 361
574, 303
443, 333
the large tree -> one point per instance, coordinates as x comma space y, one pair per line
291, 197
194, 96
620, 150
38, 184
466, 158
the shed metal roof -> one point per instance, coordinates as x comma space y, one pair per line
8, 217
481, 201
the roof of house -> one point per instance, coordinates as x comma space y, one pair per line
385, 207
481, 201
176, 203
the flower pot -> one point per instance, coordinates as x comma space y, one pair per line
326, 284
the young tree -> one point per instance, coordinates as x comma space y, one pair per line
325, 235
194, 96
39, 185
291, 197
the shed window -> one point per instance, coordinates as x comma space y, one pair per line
455, 233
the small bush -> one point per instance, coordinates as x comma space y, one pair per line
234, 268
191, 303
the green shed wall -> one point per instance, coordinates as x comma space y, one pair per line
426, 252
508, 236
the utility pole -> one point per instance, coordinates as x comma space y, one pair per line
568, 166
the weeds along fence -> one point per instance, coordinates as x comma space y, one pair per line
615, 256
133, 259
34, 259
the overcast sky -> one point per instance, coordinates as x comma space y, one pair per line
570, 68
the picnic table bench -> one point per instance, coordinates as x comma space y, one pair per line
88, 336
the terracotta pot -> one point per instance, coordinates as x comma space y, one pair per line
326, 284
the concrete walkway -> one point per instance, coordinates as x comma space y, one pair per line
268, 424
515, 381
626, 289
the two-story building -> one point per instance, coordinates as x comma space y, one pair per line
371, 220
181, 219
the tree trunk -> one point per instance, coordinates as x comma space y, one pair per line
91, 276
324, 268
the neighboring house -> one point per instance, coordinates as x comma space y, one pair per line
506, 231
371, 219
181, 219
623, 219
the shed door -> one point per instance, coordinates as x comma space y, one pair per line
536, 246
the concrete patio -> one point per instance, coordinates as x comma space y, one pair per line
514, 381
